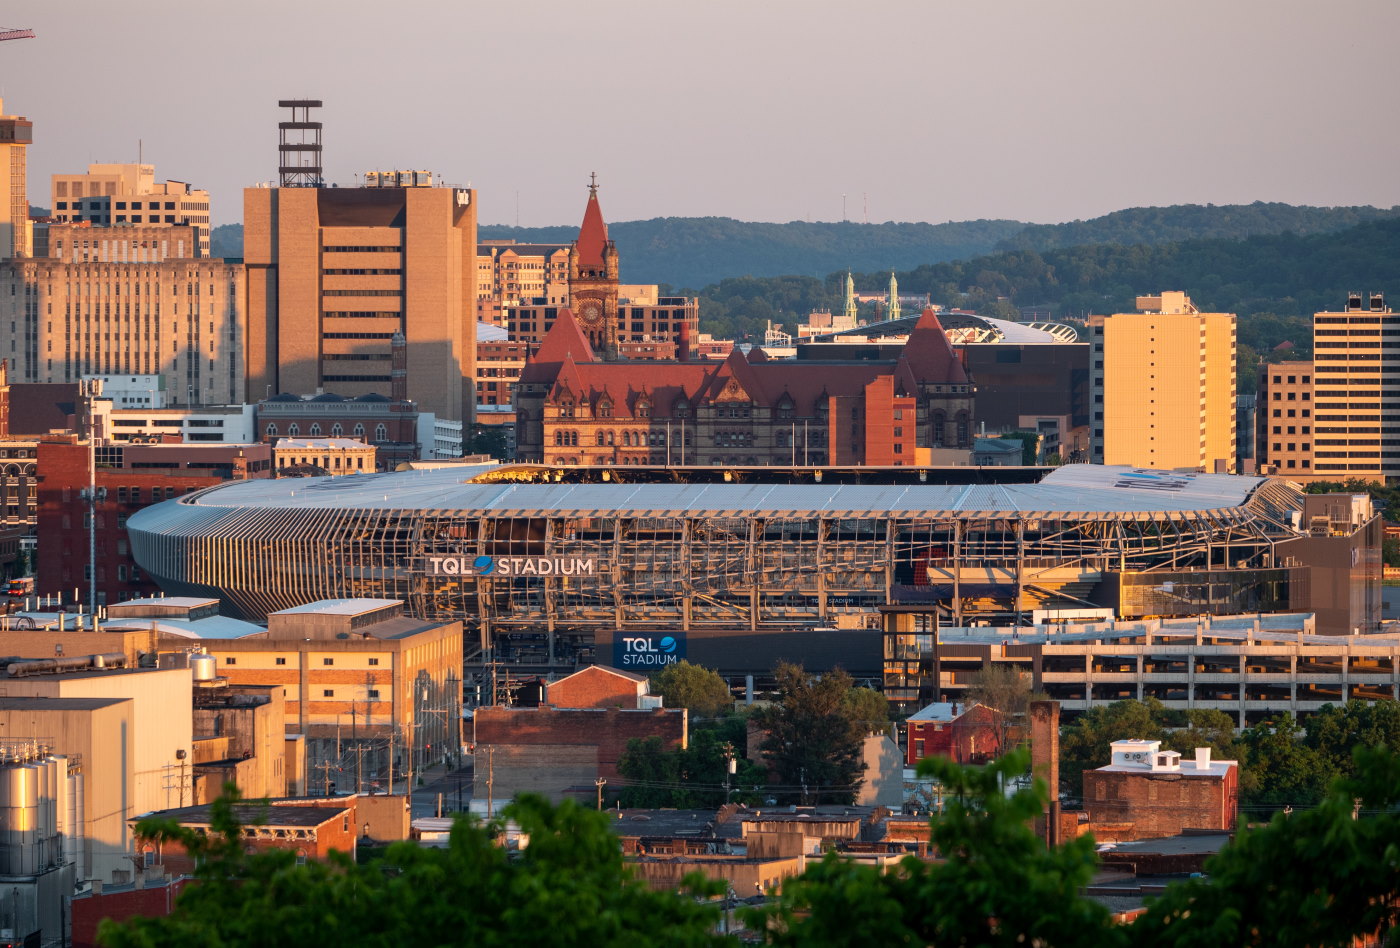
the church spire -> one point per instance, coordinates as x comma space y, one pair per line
850, 311
892, 306
593, 235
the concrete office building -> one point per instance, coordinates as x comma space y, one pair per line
125, 301
16, 134
1163, 384
1356, 391
118, 194
335, 273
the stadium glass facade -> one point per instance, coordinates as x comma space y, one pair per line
545, 572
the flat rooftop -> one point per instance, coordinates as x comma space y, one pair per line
339, 607
495, 490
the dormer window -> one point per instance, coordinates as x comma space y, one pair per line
682, 408
605, 409
643, 408
785, 408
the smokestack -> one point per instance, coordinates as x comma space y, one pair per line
683, 344
1045, 764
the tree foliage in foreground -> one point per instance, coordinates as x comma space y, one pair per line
996, 884
569, 887
1320, 878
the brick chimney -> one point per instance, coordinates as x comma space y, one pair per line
1045, 764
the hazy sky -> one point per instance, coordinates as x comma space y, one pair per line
922, 110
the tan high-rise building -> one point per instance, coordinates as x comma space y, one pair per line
1356, 391
16, 133
118, 194
1163, 382
125, 301
1283, 440
333, 273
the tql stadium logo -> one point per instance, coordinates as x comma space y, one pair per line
511, 566
647, 651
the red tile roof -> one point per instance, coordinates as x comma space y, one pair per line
593, 235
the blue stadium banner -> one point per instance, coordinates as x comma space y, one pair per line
647, 652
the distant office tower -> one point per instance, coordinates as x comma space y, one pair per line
1164, 386
333, 273
1356, 391
113, 195
1283, 426
511, 275
16, 132
125, 301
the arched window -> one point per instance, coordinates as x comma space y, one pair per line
602, 439
643, 408
610, 439
605, 408
938, 428
381, 433
293, 429
359, 431
315, 429
964, 430
271, 430
337, 430
785, 407
558, 438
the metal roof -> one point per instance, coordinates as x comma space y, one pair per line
1082, 489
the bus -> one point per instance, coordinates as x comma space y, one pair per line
21, 587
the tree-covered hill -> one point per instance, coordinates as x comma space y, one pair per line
694, 251
1159, 225
1286, 274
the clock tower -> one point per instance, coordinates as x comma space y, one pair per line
593, 279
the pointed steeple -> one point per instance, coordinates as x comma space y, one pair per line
850, 310
564, 341
892, 308
930, 355
593, 235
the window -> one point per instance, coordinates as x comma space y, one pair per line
327, 661
374, 661
230, 660
374, 694
328, 693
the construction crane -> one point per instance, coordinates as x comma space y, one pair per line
15, 34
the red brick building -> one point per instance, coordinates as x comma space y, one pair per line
91, 908
964, 733
311, 827
129, 477
1160, 794
598, 686
747, 410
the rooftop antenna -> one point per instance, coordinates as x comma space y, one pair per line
299, 146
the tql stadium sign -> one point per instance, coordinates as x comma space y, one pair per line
511, 566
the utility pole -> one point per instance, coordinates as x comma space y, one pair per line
600, 783
730, 767
490, 777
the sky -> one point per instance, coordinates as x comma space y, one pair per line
761, 110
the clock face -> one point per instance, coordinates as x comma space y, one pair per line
591, 313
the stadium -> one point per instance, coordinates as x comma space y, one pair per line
737, 568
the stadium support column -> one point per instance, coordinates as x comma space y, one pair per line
957, 573
1020, 568
755, 533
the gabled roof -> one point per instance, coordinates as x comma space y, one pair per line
593, 235
929, 354
564, 339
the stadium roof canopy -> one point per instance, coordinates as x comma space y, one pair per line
1086, 491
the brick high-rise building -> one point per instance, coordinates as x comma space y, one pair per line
1284, 423
1356, 391
1163, 383
117, 194
132, 300
334, 273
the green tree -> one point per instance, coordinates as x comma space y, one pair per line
995, 885
569, 886
698, 689
489, 440
814, 736
691, 777
1334, 732
1283, 769
870, 708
